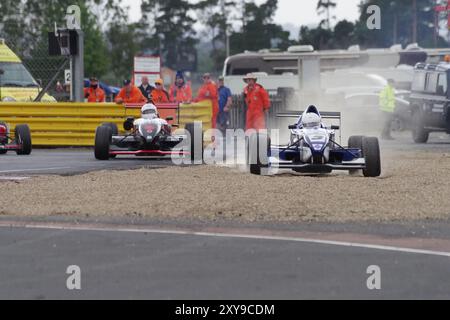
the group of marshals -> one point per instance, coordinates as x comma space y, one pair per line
256, 97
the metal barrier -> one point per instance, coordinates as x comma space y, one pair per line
74, 124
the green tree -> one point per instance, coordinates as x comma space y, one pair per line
319, 38
258, 30
216, 16
29, 32
123, 48
170, 22
325, 7
398, 23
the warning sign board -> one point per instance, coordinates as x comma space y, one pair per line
147, 66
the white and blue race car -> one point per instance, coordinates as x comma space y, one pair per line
313, 148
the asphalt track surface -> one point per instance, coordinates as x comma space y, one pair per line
69, 162
146, 265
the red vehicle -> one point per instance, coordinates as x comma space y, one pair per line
21, 144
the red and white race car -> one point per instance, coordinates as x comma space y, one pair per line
21, 142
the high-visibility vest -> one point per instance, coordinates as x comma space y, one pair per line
387, 99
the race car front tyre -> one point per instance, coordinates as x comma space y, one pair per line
114, 130
371, 152
258, 152
196, 146
355, 142
4, 140
23, 138
420, 135
103, 138
113, 126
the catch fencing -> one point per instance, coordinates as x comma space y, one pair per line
41, 66
281, 101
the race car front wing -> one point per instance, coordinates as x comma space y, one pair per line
357, 164
148, 153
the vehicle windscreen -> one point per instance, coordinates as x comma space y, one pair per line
15, 75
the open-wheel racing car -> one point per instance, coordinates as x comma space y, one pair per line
148, 136
21, 143
313, 148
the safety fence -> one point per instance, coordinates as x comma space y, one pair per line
74, 124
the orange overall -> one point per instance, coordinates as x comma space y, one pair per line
134, 96
258, 102
180, 94
159, 96
209, 92
94, 95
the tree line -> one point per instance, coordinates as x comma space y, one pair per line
177, 29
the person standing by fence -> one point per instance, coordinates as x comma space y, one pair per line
208, 91
258, 103
159, 94
146, 89
130, 94
180, 91
387, 108
225, 103
94, 93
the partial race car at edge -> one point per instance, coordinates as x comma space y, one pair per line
21, 143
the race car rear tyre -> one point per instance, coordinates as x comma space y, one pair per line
356, 142
257, 158
103, 138
371, 152
196, 146
23, 138
113, 126
420, 135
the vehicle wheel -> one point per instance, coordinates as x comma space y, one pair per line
113, 126
4, 139
23, 137
420, 135
103, 137
196, 143
371, 152
256, 158
356, 142
114, 130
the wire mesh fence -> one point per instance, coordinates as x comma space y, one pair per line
36, 68
281, 101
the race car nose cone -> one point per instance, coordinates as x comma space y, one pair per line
149, 139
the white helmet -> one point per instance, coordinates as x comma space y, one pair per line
311, 120
149, 111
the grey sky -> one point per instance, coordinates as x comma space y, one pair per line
297, 12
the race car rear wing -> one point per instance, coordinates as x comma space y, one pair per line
296, 114
325, 115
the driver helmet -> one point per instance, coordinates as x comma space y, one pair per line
149, 111
311, 120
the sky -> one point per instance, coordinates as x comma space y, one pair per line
291, 13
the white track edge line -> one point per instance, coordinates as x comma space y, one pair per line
232, 235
